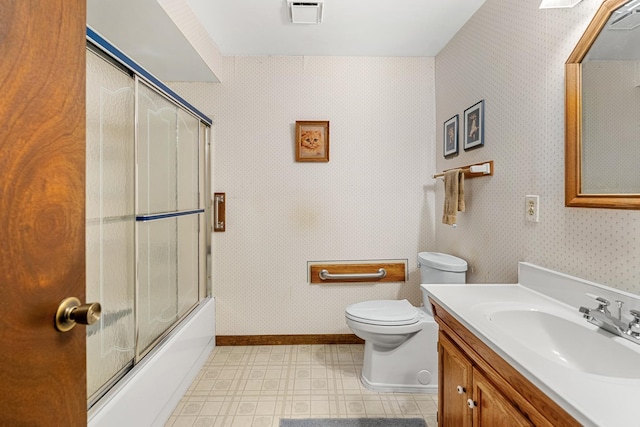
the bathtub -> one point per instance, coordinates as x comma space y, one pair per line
149, 393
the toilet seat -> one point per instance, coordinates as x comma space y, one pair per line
383, 312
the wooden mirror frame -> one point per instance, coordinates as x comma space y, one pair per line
573, 122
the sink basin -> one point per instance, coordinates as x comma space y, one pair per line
567, 343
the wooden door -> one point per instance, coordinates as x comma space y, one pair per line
454, 386
493, 409
42, 210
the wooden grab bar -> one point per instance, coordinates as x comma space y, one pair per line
357, 272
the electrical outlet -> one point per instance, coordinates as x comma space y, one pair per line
532, 208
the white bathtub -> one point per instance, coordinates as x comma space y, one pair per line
149, 393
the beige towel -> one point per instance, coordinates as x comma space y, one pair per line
453, 195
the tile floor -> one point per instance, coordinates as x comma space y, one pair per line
257, 385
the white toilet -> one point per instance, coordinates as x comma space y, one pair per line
400, 352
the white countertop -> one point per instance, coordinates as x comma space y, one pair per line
594, 400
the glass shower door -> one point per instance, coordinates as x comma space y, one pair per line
109, 221
145, 217
168, 214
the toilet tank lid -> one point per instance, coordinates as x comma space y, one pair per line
441, 261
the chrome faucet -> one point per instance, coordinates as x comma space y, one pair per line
602, 318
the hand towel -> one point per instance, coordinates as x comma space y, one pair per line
453, 195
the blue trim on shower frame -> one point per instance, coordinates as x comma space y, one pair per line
117, 54
153, 217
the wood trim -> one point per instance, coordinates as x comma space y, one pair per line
573, 130
237, 340
527, 397
574, 197
593, 30
396, 272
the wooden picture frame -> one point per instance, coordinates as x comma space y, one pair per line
474, 126
450, 137
312, 141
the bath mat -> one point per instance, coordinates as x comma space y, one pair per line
353, 422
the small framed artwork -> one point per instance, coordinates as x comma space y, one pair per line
312, 141
474, 126
451, 136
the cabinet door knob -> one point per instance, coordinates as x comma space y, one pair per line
471, 403
461, 390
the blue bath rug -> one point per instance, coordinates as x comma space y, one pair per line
353, 422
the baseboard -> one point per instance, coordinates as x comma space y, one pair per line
234, 340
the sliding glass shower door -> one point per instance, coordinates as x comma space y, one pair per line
145, 231
110, 220
168, 214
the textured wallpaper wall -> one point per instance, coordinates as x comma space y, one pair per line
511, 54
373, 200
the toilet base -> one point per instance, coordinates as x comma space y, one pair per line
411, 367
399, 388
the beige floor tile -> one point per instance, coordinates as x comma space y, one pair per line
257, 385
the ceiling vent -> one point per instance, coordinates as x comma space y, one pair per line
305, 12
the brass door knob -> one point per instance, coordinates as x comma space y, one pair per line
71, 312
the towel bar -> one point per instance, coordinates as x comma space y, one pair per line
473, 171
381, 274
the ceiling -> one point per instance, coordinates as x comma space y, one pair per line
144, 31
349, 27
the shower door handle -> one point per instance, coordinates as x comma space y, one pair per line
219, 212
71, 312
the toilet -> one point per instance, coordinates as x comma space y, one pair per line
400, 349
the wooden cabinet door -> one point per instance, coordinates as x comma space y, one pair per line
455, 385
492, 409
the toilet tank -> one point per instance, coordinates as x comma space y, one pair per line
436, 267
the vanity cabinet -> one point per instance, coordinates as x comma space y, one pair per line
476, 387
468, 397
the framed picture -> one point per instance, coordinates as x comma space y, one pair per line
451, 136
474, 126
312, 141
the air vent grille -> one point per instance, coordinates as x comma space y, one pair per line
305, 12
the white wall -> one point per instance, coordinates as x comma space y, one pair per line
511, 54
373, 200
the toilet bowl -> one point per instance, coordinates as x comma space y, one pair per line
400, 349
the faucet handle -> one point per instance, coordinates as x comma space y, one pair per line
634, 325
602, 303
601, 300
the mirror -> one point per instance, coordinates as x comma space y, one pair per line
602, 111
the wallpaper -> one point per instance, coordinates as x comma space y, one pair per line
512, 55
373, 199
376, 198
